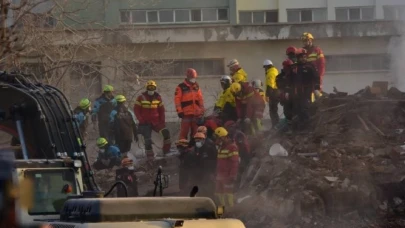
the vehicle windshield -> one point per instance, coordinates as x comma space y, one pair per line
51, 189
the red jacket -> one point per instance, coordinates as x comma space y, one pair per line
228, 161
316, 56
251, 105
150, 109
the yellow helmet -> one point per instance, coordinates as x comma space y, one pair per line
84, 103
151, 83
307, 36
108, 88
236, 87
221, 132
120, 98
101, 142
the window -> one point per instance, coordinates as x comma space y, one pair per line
182, 15
222, 14
196, 15
355, 14
209, 14
357, 62
163, 68
258, 17
305, 15
166, 16
152, 16
138, 16
125, 16
394, 12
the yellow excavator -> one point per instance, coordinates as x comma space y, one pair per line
52, 157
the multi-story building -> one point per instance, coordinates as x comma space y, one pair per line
356, 36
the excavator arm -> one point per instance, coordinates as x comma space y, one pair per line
41, 117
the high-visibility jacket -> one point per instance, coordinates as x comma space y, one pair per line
149, 109
315, 55
251, 104
239, 76
226, 97
304, 78
271, 76
228, 161
188, 99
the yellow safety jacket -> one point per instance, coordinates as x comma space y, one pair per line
225, 97
239, 76
271, 75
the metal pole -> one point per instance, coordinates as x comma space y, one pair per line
22, 140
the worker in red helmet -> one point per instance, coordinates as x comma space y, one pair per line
314, 54
189, 103
304, 81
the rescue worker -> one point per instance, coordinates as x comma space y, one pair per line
225, 105
241, 140
206, 155
150, 112
187, 166
81, 114
227, 167
200, 129
237, 73
249, 107
102, 109
258, 86
272, 92
108, 155
127, 175
304, 81
314, 54
189, 103
122, 125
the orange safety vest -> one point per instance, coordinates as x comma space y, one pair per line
188, 99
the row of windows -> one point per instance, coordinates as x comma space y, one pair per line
255, 17
174, 16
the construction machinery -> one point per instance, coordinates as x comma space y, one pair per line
52, 155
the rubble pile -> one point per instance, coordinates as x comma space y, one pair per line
347, 166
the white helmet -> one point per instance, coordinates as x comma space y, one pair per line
257, 84
226, 78
267, 62
233, 62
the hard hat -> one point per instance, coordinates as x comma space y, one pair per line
202, 129
257, 84
267, 62
191, 73
84, 103
120, 98
181, 142
226, 79
229, 123
233, 62
151, 83
236, 87
126, 162
290, 50
301, 51
307, 36
199, 135
287, 62
101, 142
108, 88
221, 132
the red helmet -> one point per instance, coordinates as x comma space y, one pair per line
191, 73
290, 50
301, 51
287, 62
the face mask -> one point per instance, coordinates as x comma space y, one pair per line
102, 151
198, 144
150, 93
192, 80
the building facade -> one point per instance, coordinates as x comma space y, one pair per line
357, 37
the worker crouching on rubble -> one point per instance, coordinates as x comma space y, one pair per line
206, 155
227, 167
102, 109
81, 115
241, 141
225, 105
189, 103
237, 73
150, 112
249, 107
187, 166
108, 155
303, 81
122, 125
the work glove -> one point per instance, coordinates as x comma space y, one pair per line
247, 121
180, 115
317, 93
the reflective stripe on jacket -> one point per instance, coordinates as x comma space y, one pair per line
149, 109
228, 161
188, 99
316, 56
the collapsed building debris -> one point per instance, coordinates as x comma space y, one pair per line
349, 164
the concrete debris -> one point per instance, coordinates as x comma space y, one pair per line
344, 166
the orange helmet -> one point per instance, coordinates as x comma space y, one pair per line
191, 73
182, 143
126, 162
199, 135
290, 50
301, 51
202, 129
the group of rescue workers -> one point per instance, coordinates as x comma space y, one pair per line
213, 150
